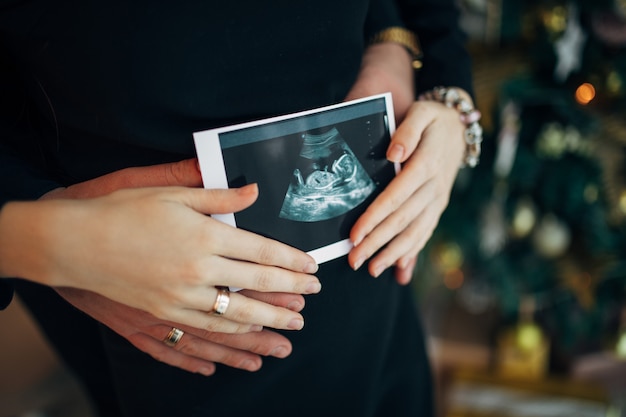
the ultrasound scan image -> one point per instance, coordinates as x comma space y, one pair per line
328, 179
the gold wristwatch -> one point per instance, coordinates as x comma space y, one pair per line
403, 37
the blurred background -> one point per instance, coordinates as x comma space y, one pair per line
523, 285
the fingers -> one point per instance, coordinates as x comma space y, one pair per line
403, 248
278, 277
198, 351
265, 343
293, 302
405, 187
195, 253
219, 201
159, 351
399, 222
405, 269
239, 244
385, 227
241, 315
414, 174
408, 134
185, 173
195, 351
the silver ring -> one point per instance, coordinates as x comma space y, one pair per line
173, 337
221, 302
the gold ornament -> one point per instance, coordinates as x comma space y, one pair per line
614, 84
620, 347
591, 193
622, 203
554, 140
551, 142
522, 350
529, 337
552, 237
555, 20
524, 218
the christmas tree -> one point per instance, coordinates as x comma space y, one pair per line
542, 220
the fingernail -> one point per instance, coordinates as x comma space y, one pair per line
250, 365
310, 268
206, 371
248, 189
378, 270
279, 352
358, 263
295, 306
296, 324
256, 328
357, 241
313, 287
395, 153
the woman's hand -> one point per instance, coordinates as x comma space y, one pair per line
429, 144
157, 250
198, 350
395, 227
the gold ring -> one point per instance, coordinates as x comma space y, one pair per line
221, 302
173, 337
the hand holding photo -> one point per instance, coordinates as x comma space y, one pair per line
317, 171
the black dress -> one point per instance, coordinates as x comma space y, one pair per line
91, 87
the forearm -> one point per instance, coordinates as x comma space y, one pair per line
28, 232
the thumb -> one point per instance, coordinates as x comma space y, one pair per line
219, 201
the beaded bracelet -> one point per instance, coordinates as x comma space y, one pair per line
469, 116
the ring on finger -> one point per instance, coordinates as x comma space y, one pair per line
173, 337
221, 302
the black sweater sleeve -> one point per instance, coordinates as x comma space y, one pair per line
21, 162
446, 60
6, 292
6, 287
382, 14
21, 176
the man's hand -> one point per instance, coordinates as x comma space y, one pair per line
198, 350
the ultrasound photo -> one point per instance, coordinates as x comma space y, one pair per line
328, 181
317, 171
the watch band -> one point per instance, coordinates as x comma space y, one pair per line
403, 37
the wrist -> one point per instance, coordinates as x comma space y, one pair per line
461, 101
14, 248
28, 232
